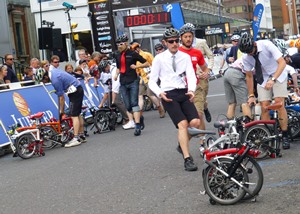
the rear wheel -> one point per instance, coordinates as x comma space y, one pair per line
147, 103
47, 133
256, 134
26, 146
101, 121
293, 122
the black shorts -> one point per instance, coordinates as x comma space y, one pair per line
181, 108
75, 104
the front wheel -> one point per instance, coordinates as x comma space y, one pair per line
222, 189
101, 121
256, 134
26, 146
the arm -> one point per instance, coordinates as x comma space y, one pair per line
280, 68
209, 54
61, 104
250, 86
117, 74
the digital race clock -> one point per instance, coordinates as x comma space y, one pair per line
147, 19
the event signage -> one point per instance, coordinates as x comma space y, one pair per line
25, 101
257, 14
217, 29
123, 4
102, 25
147, 19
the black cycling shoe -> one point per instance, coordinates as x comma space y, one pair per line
189, 165
137, 132
207, 115
142, 122
285, 143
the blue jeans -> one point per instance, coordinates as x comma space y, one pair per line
130, 94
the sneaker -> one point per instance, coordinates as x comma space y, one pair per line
161, 111
207, 115
189, 165
82, 139
73, 142
137, 132
285, 143
129, 125
142, 122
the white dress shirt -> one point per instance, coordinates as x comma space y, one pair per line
162, 69
268, 56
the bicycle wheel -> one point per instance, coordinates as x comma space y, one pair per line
101, 121
119, 116
147, 103
255, 175
255, 134
209, 140
26, 146
221, 189
293, 122
47, 133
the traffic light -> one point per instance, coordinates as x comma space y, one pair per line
224, 35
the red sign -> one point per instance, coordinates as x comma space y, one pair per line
147, 19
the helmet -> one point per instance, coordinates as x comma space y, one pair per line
171, 32
246, 43
188, 27
280, 44
103, 64
39, 75
122, 38
159, 46
235, 37
297, 43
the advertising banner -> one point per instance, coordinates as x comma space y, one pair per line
102, 25
176, 14
3, 137
257, 14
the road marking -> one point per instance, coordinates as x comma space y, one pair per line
216, 95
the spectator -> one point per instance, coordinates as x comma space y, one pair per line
3, 73
54, 62
11, 74
81, 55
28, 76
34, 64
69, 68
46, 66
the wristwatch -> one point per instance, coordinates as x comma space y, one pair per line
273, 79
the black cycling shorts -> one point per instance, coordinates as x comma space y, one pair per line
75, 104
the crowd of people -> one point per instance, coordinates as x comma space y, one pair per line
176, 81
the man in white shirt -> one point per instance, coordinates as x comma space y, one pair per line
273, 81
177, 87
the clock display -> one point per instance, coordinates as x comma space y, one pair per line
147, 19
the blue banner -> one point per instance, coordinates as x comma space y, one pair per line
23, 102
3, 137
257, 14
176, 14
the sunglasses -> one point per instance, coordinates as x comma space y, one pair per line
119, 44
159, 49
172, 41
47, 65
10, 59
56, 62
235, 41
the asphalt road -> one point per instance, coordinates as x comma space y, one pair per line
117, 172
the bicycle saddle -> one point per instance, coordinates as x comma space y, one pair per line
36, 116
194, 132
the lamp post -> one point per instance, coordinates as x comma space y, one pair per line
42, 34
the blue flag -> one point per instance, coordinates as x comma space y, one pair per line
257, 14
176, 14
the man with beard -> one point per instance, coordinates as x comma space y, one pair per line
187, 33
129, 80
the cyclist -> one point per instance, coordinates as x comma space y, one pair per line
143, 73
66, 83
271, 78
173, 68
187, 33
129, 80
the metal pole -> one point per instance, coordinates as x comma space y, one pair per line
71, 36
42, 34
289, 4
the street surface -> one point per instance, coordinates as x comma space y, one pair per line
117, 172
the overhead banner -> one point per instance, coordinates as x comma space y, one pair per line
128, 4
257, 14
102, 25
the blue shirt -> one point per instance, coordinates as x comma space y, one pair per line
61, 81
